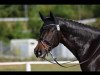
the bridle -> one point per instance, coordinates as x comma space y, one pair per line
48, 51
55, 59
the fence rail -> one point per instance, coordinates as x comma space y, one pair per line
28, 64
14, 19
26, 19
35, 62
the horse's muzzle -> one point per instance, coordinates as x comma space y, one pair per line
39, 54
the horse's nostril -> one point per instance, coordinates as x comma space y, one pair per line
39, 53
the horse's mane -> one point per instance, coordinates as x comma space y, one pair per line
79, 28
76, 23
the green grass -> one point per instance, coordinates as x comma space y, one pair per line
39, 67
12, 68
54, 67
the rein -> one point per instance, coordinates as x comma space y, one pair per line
56, 62
55, 59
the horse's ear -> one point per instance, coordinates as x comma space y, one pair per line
52, 16
42, 17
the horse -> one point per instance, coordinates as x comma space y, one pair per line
81, 39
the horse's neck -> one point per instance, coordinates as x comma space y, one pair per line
78, 41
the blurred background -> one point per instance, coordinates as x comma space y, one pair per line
20, 24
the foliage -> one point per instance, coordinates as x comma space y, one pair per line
11, 11
15, 30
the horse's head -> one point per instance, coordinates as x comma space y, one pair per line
48, 36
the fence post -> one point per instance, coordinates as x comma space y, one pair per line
28, 67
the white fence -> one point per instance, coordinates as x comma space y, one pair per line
28, 64
14, 19
26, 19
86, 21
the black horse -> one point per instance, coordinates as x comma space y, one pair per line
82, 40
